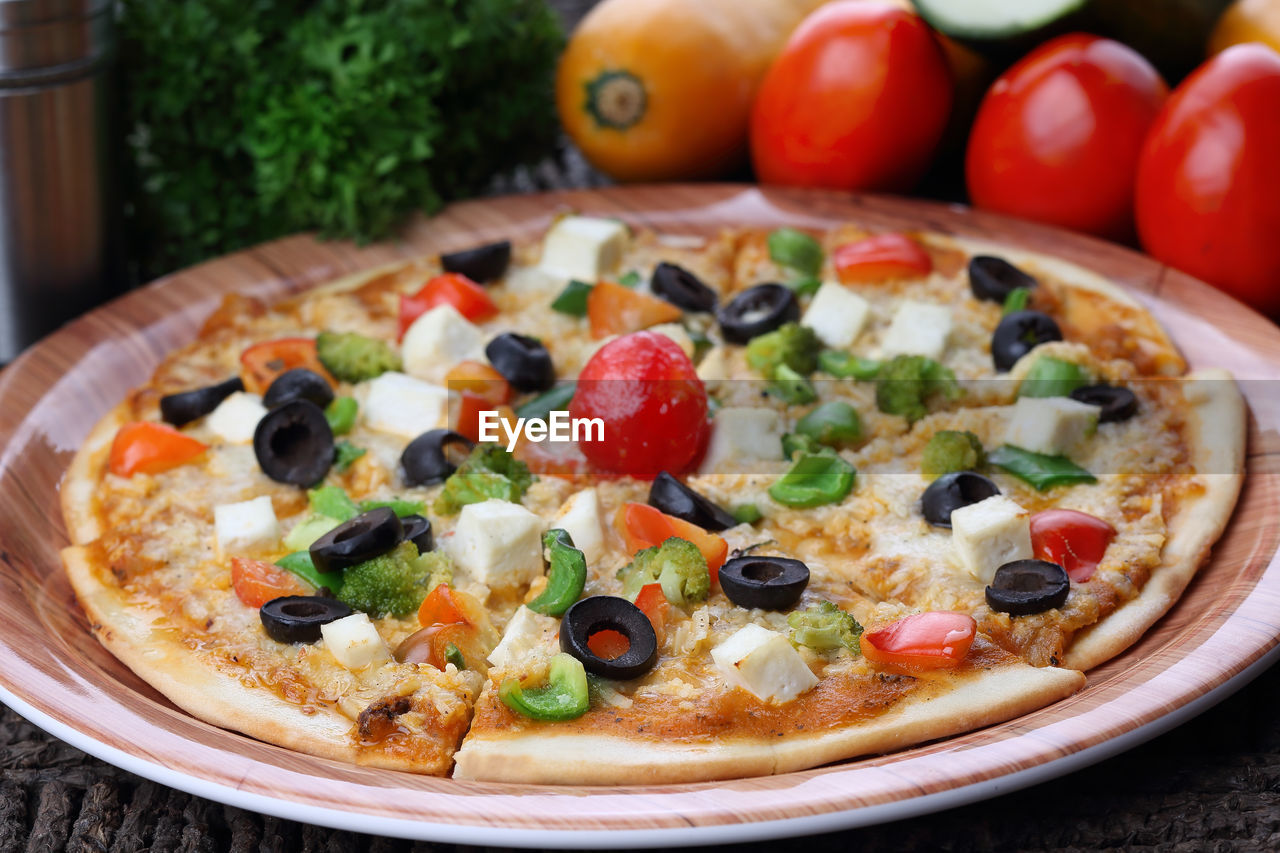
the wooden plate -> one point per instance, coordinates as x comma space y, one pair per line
1222, 632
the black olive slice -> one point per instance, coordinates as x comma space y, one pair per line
598, 613
770, 583
418, 531
522, 361
1028, 586
298, 384
424, 461
675, 498
953, 491
294, 444
185, 406
1019, 333
682, 288
297, 618
1118, 403
482, 264
362, 538
993, 278
757, 310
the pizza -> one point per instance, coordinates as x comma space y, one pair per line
620, 506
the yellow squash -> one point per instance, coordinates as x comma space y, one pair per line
661, 89
1247, 20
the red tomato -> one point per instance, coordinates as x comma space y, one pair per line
479, 379
857, 100
652, 403
880, 258
608, 644
931, 640
453, 288
430, 645
263, 362
616, 310
1209, 181
256, 582
150, 448
442, 606
1074, 540
1058, 135
467, 419
643, 526
653, 603
560, 459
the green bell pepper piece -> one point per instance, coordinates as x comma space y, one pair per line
341, 414
814, 479
791, 387
399, 506
565, 696
453, 655
1016, 300
1053, 377
832, 423
566, 578
299, 562
1039, 469
573, 299
333, 502
555, 400
843, 365
345, 454
796, 250
746, 513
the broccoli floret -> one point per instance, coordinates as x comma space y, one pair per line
677, 564
355, 358
904, 383
823, 627
951, 450
395, 582
791, 344
489, 472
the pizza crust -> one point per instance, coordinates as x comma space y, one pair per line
1216, 433
968, 702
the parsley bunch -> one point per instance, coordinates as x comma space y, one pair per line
250, 119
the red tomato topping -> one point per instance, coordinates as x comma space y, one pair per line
467, 418
857, 100
880, 258
616, 310
150, 447
560, 459
1058, 135
653, 405
442, 606
643, 526
256, 581
654, 604
262, 363
1074, 540
453, 288
479, 379
608, 644
1208, 193
933, 640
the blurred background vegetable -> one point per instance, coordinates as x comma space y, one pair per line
1058, 135
857, 100
1208, 194
1245, 21
250, 119
662, 89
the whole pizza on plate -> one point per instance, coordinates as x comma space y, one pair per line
628, 507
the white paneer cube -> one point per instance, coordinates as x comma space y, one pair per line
437, 341
526, 631
580, 518
741, 438
498, 544
763, 663
990, 533
918, 328
401, 405
714, 366
354, 641
245, 526
237, 417
583, 247
1052, 425
677, 333
836, 315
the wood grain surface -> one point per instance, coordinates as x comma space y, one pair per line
1228, 620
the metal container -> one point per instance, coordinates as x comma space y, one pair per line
56, 200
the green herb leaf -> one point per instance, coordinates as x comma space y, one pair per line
344, 454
